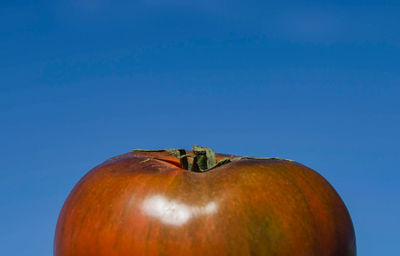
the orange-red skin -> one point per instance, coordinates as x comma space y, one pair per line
247, 207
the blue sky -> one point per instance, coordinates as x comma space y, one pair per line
313, 81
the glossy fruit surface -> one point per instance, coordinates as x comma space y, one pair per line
134, 204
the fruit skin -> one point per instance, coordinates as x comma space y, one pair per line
131, 206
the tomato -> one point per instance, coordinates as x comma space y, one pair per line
172, 202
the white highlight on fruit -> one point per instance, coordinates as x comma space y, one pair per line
173, 212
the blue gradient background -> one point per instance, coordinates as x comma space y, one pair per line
313, 81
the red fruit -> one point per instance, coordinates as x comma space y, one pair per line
145, 203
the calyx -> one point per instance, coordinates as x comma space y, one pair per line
201, 160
